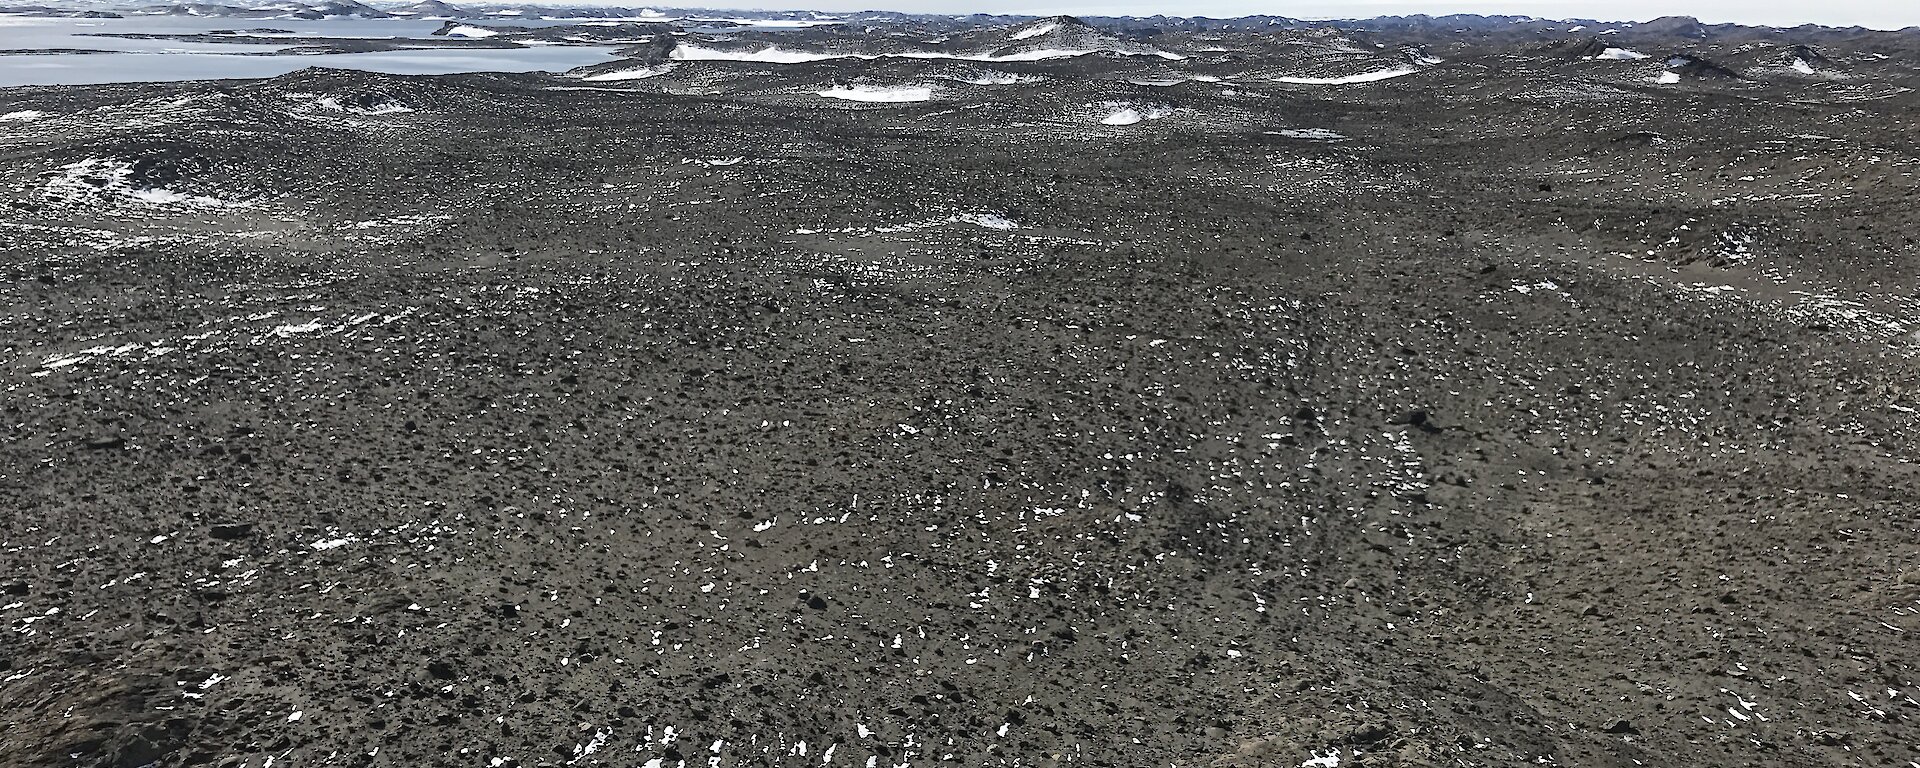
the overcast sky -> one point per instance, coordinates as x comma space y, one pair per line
1883, 14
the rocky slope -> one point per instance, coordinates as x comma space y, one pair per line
1111, 409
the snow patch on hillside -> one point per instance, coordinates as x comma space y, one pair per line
1173, 81
1035, 30
640, 73
767, 55
1364, 77
777, 55
382, 108
1131, 114
1308, 134
998, 78
880, 94
470, 31
101, 176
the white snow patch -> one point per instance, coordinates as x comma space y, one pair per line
1041, 54
326, 544
987, 220
310, 326
641, 73
1364, 77
100, 175
170, 197
407, 220
468, 30
769, 55
1125, 114
1799, 65
1035, 30
1667, 78
22, 116
1620, 54
880, 94
383, 108
1544, 285
998, 78
776, 55
601, 89
67, 360
1329, 760
820, 21
1309, 134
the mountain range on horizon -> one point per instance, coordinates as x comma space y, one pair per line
1676, 25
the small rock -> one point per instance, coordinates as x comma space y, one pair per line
1368, 733
1414, 417
1620, 726
231, 531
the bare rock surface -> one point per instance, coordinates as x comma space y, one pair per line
1234, 407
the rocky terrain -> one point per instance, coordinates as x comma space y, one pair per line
1033, 394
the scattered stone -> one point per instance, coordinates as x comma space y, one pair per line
231, 531
566, 401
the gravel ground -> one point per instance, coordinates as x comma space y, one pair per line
1517, 409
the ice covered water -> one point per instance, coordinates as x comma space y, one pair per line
147, 60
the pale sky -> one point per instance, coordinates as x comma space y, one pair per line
1880, 14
